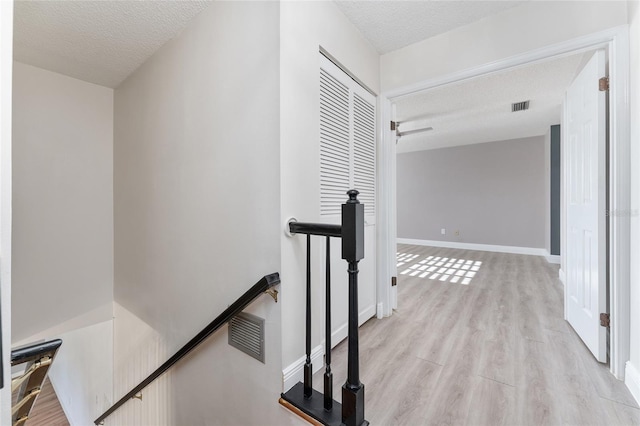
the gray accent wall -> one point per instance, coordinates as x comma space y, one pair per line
491, 193
555, 190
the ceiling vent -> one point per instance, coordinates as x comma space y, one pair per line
520, 106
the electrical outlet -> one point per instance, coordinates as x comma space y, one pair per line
457, 233
443, 231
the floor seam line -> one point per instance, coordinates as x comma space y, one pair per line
621, 403
497, 381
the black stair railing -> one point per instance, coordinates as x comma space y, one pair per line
25, 388
265, 285
302, 396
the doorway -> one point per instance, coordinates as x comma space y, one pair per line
614, 41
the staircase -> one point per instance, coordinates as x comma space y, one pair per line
315, 407
47, 410
28, 386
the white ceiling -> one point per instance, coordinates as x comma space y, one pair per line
479, 110
393, 24
104, 41
97, 41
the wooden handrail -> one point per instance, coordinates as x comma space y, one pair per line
321, 229
265, 285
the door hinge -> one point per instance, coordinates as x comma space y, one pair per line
604, 320
394, 281
394, 125
603, 84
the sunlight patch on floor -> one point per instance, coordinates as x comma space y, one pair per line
458, 271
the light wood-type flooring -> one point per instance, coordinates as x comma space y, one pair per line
47, 410
493, 351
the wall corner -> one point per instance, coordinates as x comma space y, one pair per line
632, 380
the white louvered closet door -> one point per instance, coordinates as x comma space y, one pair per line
348, 160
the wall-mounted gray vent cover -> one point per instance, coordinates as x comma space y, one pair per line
246, 332
519, 106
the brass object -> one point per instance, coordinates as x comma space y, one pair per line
273, 293
603, 84
137, 396
21, 420
32, 394
295, 410
15, 383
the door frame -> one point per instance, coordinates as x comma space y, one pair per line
616, 42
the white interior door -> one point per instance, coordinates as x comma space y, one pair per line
347, 160
585, 185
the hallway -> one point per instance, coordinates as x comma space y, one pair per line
494, 350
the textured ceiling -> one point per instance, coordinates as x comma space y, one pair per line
393, 24
479, 110
104, 41
97, 41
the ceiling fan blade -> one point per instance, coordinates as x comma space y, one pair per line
412, 132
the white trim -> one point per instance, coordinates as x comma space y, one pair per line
379, 311
473, 246
293, 373
385, 241
565, 48
632, 380
619, 200
561, 275
341, 333
6, 63
345, 70
552, 258
617, 41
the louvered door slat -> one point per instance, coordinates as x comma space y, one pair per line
334, 143
347, 142
364, 152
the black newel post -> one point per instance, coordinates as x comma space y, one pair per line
353, 252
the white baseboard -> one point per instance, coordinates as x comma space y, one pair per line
472, 246
294, 372
341, 332
379, 311
553, 258
632, 380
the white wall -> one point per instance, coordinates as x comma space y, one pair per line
82, 372
533, 25
197, 195
633, 368
304, 27
138, 351
62, 199
6, 58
